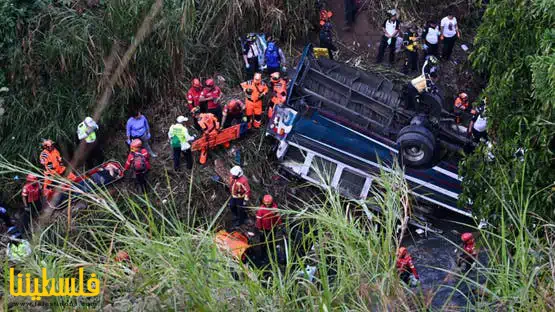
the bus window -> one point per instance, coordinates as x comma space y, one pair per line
294, 155
322, 170
351, 184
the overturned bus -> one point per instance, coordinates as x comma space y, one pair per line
352, 124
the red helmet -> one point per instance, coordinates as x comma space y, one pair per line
465, 237
402, 252
196, 83
31, 178
209, 82
136, 143
267, 200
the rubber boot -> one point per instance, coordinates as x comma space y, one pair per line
203, 156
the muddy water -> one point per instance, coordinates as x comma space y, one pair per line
435, 253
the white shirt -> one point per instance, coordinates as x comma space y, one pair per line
481, 124
449, 26
432, 35
391, 27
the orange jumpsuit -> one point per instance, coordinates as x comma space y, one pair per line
279, 97
52, 162
255, 92
209, 125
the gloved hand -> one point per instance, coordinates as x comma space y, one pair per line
245, 119
148, 136
248, 65
284, 68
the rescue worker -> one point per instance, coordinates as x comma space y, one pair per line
274, 59
326, 39
325, 16
139, 160
419, 85
240, 193
138, 128
461, 105
267, 216
233, 113
32, 202
211, 95
405, 267
431, 65
279, 92
250, 55
209, 126
410, 42
479, 123
255, 91
52, 161
18, 248
467, 258
193, 96
86, 131
391, 29
179, 140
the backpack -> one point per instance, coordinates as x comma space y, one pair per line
139, 162
175, 142
272, 55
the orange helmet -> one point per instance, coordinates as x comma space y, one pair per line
267, 200
31, 178
465, 237
402, 252
463, 96
136, 143
257, 77
209, 82
275, 76
47, 143
196, 83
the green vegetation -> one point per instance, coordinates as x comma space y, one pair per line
515, 52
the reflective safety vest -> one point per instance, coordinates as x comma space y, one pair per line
82, 130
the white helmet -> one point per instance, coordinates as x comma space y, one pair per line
181, 119
236, 171
90, 122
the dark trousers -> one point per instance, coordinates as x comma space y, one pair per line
237, 206
177, 158
272, 70
233, 119
350, 12
32, 213
411, 61
331, 48
383, 47
217, 112
433, 49
140, 180
405, 277
203, 107
477, 135
448, 44
253, 67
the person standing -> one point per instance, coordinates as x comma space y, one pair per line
211, 95
255, 91
279, 93
449, 34
391, 29
274, 58
469, 254
479, 123
430, 38
86, 131
267, 216
193, 96
410, 42
138, 128
326, 39
250, 55
240, 193
139, 158
350, 13
179, 141
32, 201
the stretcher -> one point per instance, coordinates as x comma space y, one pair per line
234, 244
215, 138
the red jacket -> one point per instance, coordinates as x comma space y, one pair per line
214, 93
240, 188
405, 265
31, 192
193, 98
470, 249
131, 156
267, 217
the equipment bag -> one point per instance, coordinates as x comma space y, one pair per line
139, 162
272, 56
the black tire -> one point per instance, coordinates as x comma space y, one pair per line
431, 104
416, 146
